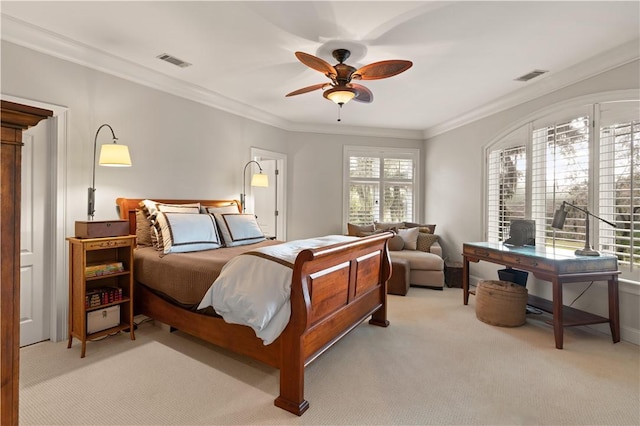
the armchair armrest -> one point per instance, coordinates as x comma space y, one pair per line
436, 248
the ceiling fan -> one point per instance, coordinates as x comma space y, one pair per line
341, 90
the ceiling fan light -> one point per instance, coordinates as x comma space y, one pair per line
340, 95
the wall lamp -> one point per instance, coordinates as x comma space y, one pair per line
111, 155
258, 179
558, 222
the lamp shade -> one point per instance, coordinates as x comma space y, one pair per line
114, 155
260, 180
340, 95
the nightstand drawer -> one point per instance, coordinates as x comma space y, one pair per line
110, 243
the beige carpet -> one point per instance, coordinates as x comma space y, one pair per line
435, 364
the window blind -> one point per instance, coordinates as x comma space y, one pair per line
619, 185
381, 186
506, 190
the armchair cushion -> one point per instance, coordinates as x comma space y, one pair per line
420, 260
425, 241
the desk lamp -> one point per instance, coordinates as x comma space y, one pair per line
558, 222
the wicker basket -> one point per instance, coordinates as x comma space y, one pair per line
501, 303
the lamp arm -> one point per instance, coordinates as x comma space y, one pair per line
92, 190
95, 145
243, 197
589, 213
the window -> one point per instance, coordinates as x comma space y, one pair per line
589, 158
380, 184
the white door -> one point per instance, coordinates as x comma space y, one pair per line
34, 289
264, 200
269, 204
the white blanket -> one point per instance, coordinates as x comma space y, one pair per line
254, 290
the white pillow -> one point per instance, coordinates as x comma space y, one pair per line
232, 208
239, 229
410, 237
184, 232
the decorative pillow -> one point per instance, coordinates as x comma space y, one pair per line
178, 208
425, 241
150, 207
427, 229
396, 243
359, 230
143, 230
238, 229
388, 226
410, 237
231, 208
184, 232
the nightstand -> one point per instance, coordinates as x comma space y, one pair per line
100, 287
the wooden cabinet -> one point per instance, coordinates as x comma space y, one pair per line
15, 119
102, 268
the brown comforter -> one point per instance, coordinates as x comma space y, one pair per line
184, 278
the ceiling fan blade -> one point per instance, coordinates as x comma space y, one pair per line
364, 94
308, 89
382, 69
316, 63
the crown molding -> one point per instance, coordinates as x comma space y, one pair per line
53, 44
36, 38
593, 66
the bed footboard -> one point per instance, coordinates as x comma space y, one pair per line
333, 290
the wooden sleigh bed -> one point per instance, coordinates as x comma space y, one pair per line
333, 290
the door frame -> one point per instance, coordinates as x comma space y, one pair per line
56, 256
258, 154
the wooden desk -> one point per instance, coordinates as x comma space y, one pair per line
558, 267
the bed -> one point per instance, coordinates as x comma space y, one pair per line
333, 290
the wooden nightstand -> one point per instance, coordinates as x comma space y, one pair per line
100, 287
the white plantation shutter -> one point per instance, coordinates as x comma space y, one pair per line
619, 181
506, 190
380, 184
560, 172
596, 170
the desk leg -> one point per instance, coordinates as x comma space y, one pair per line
465, 281
614, 309
558, 320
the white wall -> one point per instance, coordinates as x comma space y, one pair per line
179, 148
453, 190
315, 183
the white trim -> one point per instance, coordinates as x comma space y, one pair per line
52, 44
57, 259
281, 202
613, 58
43, 41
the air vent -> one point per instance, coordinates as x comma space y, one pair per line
173, 60
531, 75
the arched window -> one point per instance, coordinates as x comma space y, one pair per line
587, 155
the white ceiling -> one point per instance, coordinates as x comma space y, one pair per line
465, 55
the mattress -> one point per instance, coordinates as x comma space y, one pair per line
184, 278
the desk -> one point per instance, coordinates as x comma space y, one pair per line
558, 267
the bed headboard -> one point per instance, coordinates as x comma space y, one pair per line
128, 206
